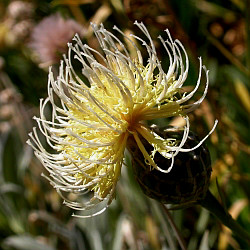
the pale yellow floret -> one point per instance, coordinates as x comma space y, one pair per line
119, 116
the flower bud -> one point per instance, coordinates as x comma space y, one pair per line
187, 181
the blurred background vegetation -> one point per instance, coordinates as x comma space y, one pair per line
33, 36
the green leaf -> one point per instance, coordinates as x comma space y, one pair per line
24, 242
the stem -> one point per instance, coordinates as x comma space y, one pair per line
174, 227
213, 206
248, 34
234, 60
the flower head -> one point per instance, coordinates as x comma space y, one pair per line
91, 123
50, 37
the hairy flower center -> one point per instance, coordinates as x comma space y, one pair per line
132, 121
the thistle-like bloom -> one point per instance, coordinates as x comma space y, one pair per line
50, 37
91, 122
